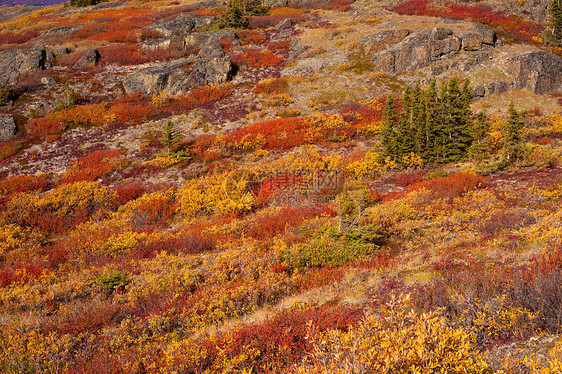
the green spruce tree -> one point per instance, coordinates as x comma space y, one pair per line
388, 124
170, 136
404, 135
480, 132
432, 122
555, 12
512, 132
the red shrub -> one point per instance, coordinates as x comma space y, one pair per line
286, 133
209, 94
450, 186
282, 45
8, 37
257, 59
281, 341
511, 26
251, 37
24, 183
43, 126
200, 96
129, 192
341, 5
93, 166
271, 225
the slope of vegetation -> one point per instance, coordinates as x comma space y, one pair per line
266, 225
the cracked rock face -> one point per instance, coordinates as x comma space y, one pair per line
539, 71
209, 66
181, 75
406, 51
16, 61
7, 127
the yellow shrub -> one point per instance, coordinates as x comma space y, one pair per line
221, 193
395, 340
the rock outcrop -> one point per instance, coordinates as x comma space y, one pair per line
16, 61
539, 71
182, 24
402, 51
89, 59
7, 127
180, 75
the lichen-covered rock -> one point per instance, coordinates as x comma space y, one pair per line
401, 51
7, 127
88, 59
539, 71
16, 61
182, 24
181, 75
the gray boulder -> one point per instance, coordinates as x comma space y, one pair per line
182, 24
539, 72
181, 75
16, 61
88, 59
7, 127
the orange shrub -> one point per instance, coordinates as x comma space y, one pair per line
450, 186
43, 126
273, 85
251, 37
9, 148
257, 59
209, 94
285, 11
89, 115
23, 183
94, 166
200, 96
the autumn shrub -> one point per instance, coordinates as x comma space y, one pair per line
128, 192
450, 186
211, 195
271, 85
331, 247
204, 147
271, 224
203, 95
10, 148
512, 26
279, 46
94, 166
280, 342
257, 59
131, 108
123, 54
10, 37
29, 350
254, 37
208, 94
87, 115
286, 11
60, 209
149, 210
286, 133
406, 341
43, 126
24, 183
